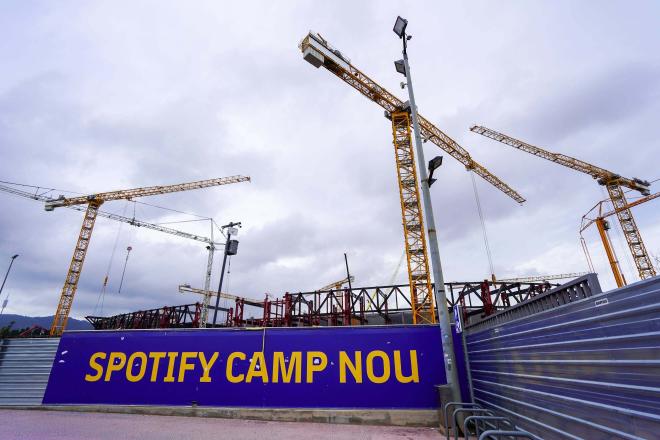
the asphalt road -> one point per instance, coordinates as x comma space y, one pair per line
63, 425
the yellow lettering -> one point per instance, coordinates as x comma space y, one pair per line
114, 356
414, 372
370, 366
314, 368
230, 363
184, 365
143, 367
257, 367
96, 367
355, 368
279, 364
156, 356
170, 366
206, 366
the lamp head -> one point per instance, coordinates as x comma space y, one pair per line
435, 163
400, 26
400, 67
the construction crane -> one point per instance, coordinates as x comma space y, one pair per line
612, 181
210, 243
185, 288
93, 202
336, 285
603, 226
318, 52
536, 278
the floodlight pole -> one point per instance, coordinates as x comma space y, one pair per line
222, 271
438, 277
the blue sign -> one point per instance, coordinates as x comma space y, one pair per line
458, 328
320, 367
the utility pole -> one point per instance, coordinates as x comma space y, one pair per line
438, 277
4, 303
231, 247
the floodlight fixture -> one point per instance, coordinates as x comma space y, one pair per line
400, 67
434, 164
400, 26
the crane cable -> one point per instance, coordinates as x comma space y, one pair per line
123, 272
129, 248
101, 298
483, 226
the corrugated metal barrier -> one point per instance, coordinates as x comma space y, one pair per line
574, 362
25, 365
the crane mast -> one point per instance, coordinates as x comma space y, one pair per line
603, 226
419, 277
93, 202
614, 184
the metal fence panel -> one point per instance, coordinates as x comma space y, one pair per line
574, 363
25, 365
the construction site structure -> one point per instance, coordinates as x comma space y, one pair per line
345, 307
533, 278
183, 316
318, 52
603, 227
93, 202
614, 184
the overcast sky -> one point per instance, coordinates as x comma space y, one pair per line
99, 96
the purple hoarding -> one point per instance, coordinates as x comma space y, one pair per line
321, 367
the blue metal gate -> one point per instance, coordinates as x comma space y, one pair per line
574, 362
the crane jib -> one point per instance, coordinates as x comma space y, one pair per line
318, 52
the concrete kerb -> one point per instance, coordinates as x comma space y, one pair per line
409, 418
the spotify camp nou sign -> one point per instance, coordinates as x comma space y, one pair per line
322, 367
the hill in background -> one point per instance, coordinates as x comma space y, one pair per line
22, 321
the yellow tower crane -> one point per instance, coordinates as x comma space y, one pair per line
612, 181
93, 202
337, 284
603, 227
319, 53
185, 288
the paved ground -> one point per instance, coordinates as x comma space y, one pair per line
61, 425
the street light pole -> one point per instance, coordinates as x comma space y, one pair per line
438, 277
224, 263
4, 303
